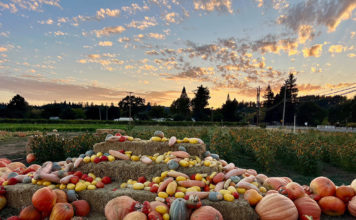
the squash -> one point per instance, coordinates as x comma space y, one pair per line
61, 196
158, 134
30, 213
180, 154
191, 183
172, 141
117, 208
154, 204
44, 199
219, 177
154, 215
178, 210
72, 195
3, 202
276, 207
308, 207
352, 206
215, 196
252, 196
171, 188
135, 216
234, 172
164, 185
206, 213
81, 208
15, 166
62, 211
274, 183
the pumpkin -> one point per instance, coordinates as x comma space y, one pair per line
307, 207
30, 213
62, 211
16, 165
44, 199
61, 196
117, 208
72, 196
154, 215
81, 207
274, 183
135, 216
158, 134
206, 213
352, 206
30, 158
276, 207
13, 218
178, 210
3, 202
252, 196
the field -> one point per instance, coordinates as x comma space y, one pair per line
59, 127
301, 156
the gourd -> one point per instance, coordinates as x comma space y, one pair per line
61, 196
44, 199
218, 178
72, 195
352, 206
135, 216
308, 206
215, 196
118, 207
158, 134
206, 213
62, 211
178, 210
172, 164
81, 207
171, 188
276, 207
181, 154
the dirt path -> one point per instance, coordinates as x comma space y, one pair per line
14, 148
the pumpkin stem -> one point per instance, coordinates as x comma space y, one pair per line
309, 217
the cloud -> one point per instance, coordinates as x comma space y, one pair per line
5, 34
59, 33
337, 48
353, 34
171, 17
195, 73
123, 39
102, 13
109, 30
156, 36
105, 43
3, 49
351, 55
270, 44
212, 5
305, 33
134, 7
314, 51
260, 3
318, 12
94, 56
316, 69
48, 21
146, 23
33, 5
152, 52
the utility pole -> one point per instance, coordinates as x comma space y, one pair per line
130, 93
295, 119
284, 103
99, 114
258, 105
106, 108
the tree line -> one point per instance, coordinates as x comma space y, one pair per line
314, 110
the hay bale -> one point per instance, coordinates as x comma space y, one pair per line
146, 147
110, 131
123, 170
20, 195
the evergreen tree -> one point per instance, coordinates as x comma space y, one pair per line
17, 108
180, 108
199, 102
229, 109
268, 103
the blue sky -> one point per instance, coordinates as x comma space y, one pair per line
96, 51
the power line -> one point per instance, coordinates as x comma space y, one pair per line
331, 90
340, 91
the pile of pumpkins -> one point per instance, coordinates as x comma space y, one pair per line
55, 204
125, 208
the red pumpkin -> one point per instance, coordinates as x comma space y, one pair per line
345, 193
352, 206
5, 160
44, 199
81, 207
276, 207
135, 216
331, 205
322, 186
61, 196
62, 211
30, 213
294, 190
13, 218
307, 207
30, 158
118, 207
206, 213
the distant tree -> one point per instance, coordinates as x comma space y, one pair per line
268, 103
92, 112
180, 108
311, 113
199, 102
113, 112
67, 113
17, 108
137, 105
78, 113
229, 109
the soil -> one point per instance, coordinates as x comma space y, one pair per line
13, 148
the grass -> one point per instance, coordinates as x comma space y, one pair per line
59, 127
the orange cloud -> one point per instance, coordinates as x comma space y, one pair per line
211, 5
102, 13
109, 30
3, 49
105, 43
314, 51
336, 48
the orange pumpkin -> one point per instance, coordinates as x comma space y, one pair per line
345, 193
44, 199
81, 207
352, 206
331, 205
3, 202
206, 213
252, 196
276, 207
16, 165
135, 216
30, 213
118, 207
62, 211
308, 207
274, 183
322, 186
30, 158
61, 196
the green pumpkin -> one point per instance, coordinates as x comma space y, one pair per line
178, 210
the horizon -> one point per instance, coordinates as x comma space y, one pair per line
90, 51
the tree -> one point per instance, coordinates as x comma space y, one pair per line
17, 107
180, 108
268, 103
137, 104
199, 102
113, 112
229, 110
311, 113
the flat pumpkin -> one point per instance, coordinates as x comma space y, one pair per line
206, 213
178, 210
118, 208
308, 207
276, 207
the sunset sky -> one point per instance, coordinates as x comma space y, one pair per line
96, 51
